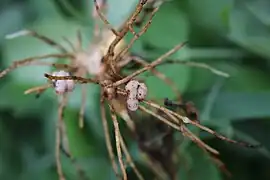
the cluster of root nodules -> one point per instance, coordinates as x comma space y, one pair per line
104, 60
135, 92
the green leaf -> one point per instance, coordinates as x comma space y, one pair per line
13, 17
92, 106
247, 31
265, 150
260, 10
93, 166
244, 94
233, 106
247, 79
255, 131
201, 167
79, 142
203, 79
119, 11
45, 9
169, 27
24, 103
211, 14
225, 13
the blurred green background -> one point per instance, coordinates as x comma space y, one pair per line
232, 35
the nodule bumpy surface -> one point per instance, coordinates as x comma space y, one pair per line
136, 92
63, 86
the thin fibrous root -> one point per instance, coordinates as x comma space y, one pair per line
133, 31
188, 107
159, 75
219, 136
98, 28
186, 120
30, 60
104, 19
149, 66
221, 165
130, 160
159, 117
38, 89
61, 107
124, 29
199, 65
118, 143
198, 141
79, 169
107, 138
38, 36
185, 133
75, 78
136, 36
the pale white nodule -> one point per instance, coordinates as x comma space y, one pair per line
63, 86
141, 92
132, 85
136, 92
132, 95
132, 104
